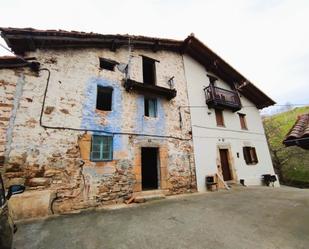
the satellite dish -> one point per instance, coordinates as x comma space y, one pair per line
122, 67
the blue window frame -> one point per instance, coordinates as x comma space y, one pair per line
150, 107
101, 148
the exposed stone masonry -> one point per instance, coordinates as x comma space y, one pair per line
57, 161
7, 91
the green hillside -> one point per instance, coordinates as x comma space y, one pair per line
291, 163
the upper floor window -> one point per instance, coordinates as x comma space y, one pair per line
149, 71
107, 64
150, 107
104, 98
250, 155
219, 117
101, 148
243, 122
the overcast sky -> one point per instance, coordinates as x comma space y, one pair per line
265, 40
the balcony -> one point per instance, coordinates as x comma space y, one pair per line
220, 98
131, 85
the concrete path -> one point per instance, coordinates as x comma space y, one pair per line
241, 218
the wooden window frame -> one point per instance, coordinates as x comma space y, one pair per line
243, 121
250, 155
219, 117
107, 91
146, 107
146, 60
103, 142
107, 64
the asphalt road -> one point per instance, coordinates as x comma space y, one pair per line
241, 218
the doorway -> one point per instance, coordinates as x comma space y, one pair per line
149, 168
225, 166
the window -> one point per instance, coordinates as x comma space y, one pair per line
219, 117
104, 98
149, 71
250, 155
243, 123
107, 64
101, 148
150, 107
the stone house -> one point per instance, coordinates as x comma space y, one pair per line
93, 119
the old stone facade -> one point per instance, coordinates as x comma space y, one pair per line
56, 161
104, 118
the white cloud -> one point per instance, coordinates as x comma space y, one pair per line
267, 41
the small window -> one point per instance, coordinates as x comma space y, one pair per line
150, 107
243, 123
107, 64
101, 148
219, 117
149, 71
250, 155
104, 98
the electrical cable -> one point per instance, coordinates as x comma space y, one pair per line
19, 57
233, 138
224, 129
93, 130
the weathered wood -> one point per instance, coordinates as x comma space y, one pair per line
150, 89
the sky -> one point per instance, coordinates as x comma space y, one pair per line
267, 41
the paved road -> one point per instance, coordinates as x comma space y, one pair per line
250, 218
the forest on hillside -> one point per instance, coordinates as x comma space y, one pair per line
290, 163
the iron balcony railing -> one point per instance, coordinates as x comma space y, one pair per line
217, 97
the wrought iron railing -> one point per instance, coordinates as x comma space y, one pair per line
219, 97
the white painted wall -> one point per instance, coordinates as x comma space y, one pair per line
207, 136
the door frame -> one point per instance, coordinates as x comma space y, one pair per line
230, 162
162, 165
157, 166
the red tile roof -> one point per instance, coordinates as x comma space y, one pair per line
299, 134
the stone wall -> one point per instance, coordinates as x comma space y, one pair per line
7, 91
58, 160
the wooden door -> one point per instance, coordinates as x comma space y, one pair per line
224, 158
149, 168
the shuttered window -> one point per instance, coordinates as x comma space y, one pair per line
101, 148
219, 117
250, 155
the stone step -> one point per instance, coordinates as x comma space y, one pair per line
150, 192
235, 185
149, 195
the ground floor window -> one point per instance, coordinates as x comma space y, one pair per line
101, 148
250, 155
